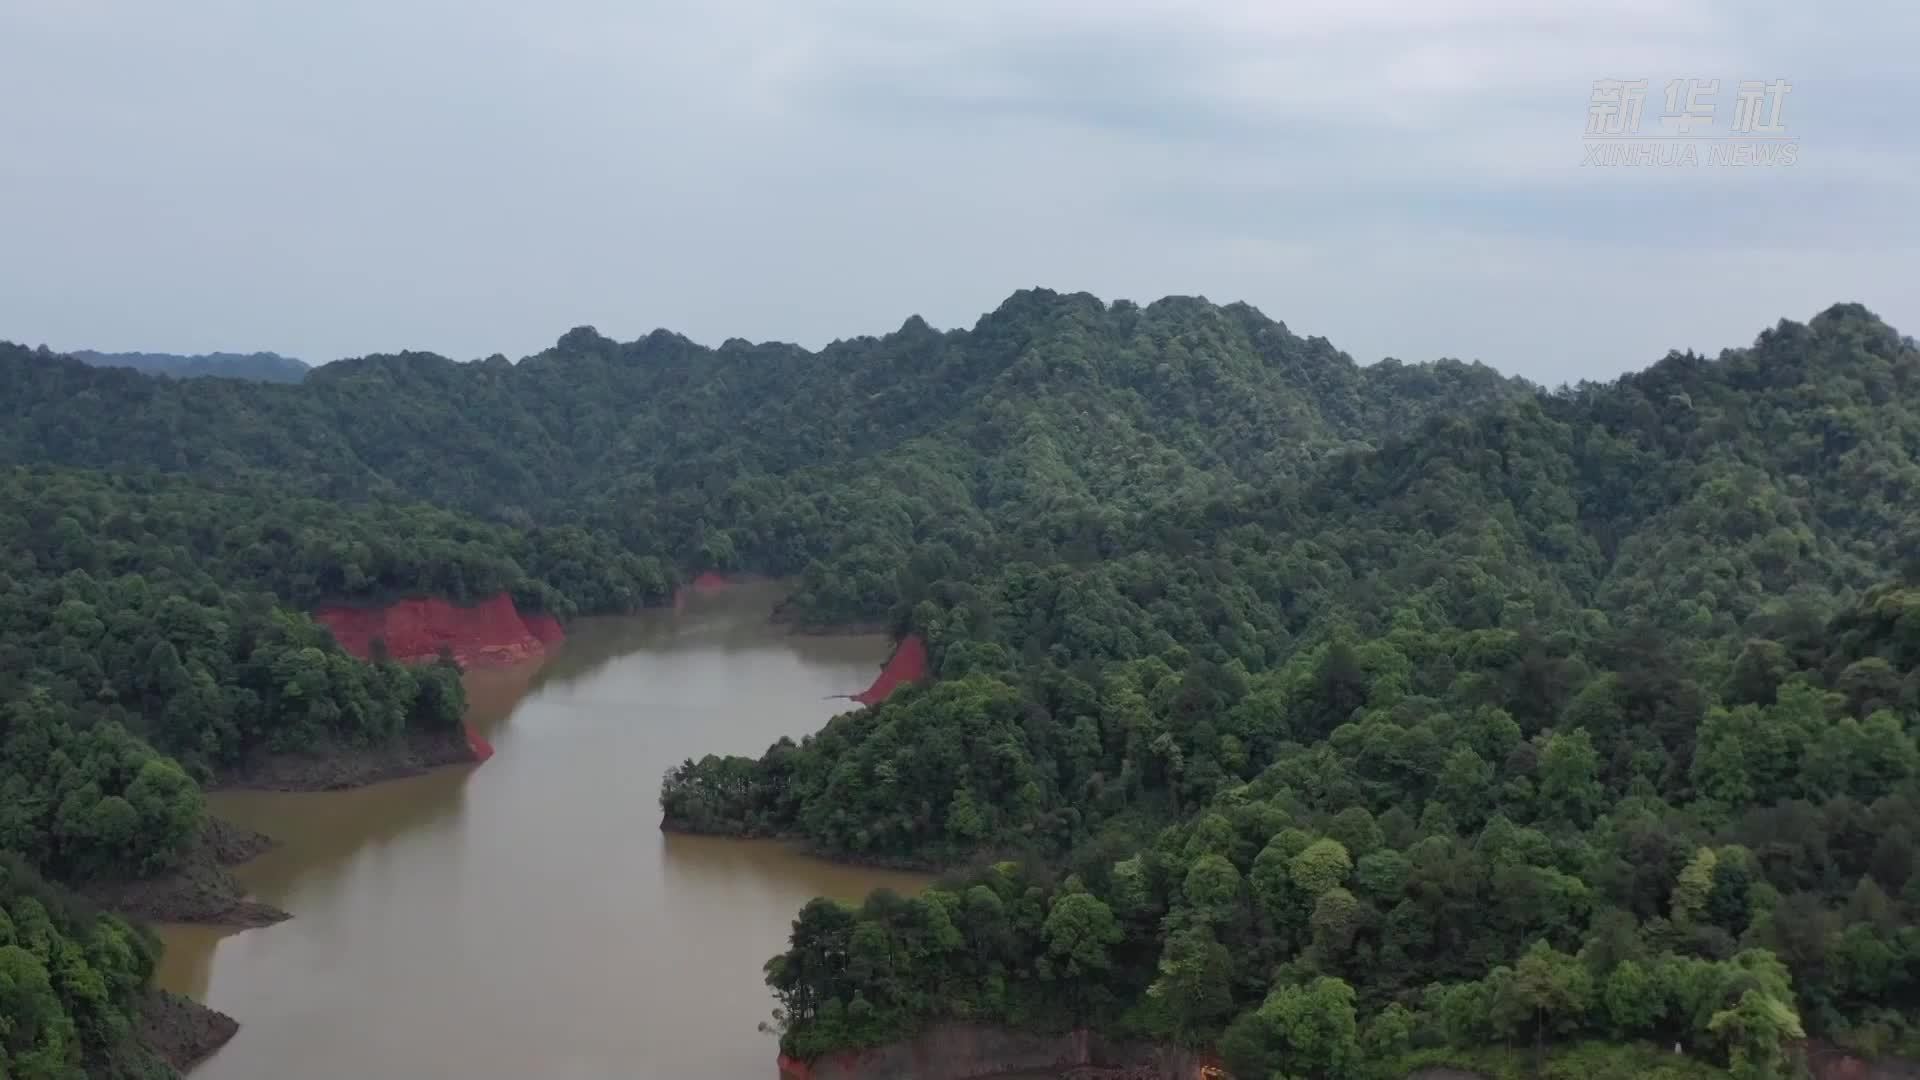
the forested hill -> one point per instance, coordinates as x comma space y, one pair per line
1470, 722
1042, 383
1653, 524
262, 366
1406, 699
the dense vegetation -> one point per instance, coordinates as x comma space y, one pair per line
1594, 617
910, 454
1648, 526
1432, 872
264, 366
307, 551
71, 980
1335, 717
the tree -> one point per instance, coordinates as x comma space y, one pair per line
1336, 918
1633, 1001
1079, 932
1695, 886
1757, 673
1569, 786
1465, 784
1555, 987
1212, 889
1193, 991
38, 1037
1355, 829
1307, 1031
1323, 865
964, 821
1756, 1032
1382, 875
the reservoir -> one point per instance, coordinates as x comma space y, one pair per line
527, 917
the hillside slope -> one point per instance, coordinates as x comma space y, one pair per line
1483, 709
769, 457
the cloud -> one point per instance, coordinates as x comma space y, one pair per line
1404, 178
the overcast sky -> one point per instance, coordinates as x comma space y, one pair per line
1403, 177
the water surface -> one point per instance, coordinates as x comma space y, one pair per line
526, 917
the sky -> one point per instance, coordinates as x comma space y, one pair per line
1406, 178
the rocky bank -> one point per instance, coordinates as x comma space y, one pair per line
201, 890
336, 768
179, 1031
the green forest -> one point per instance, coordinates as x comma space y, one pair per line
153, 634
1337, 718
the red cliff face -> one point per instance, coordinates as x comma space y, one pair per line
478, 744
907, 664
545, 627
489, 634
492, 633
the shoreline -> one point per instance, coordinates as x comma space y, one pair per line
783, 615
905, 664
173, 1028
179, 1031
202, 890
182, 1032
347, 767
854, 629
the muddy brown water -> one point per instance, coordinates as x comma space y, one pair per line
526, 917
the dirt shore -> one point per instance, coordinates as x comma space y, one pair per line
202, 890
180, 1031
337, 768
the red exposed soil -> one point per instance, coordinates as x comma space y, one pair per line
545, 627
907, 664
489, 634
482, 749
492, 633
